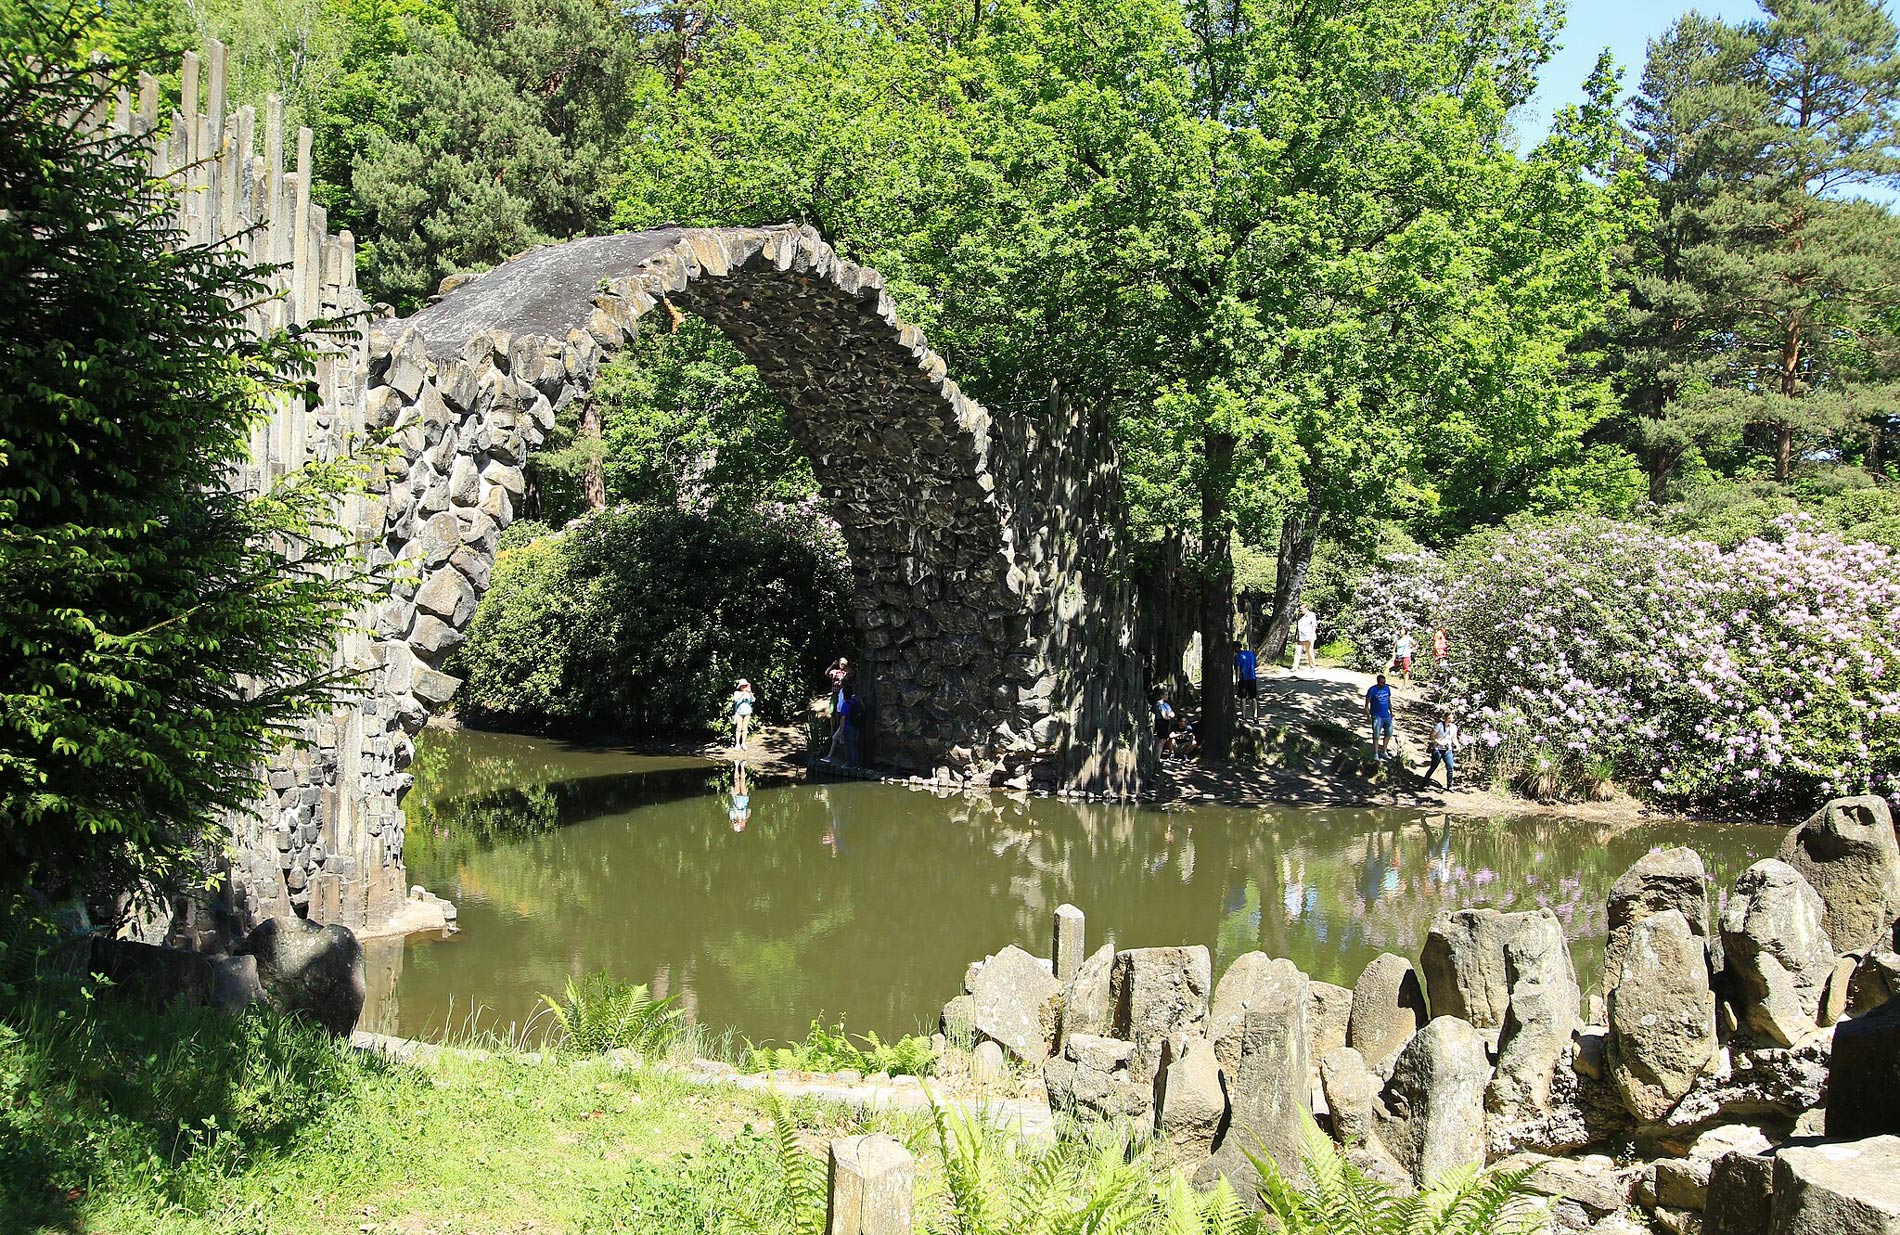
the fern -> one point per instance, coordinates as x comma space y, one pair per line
1339, 1199
599, 1014
831, 1050
796, 1201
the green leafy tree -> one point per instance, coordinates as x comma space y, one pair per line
158, 629
499, 138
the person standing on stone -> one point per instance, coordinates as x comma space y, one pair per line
1379, 709
1247, 681
1402, 652
1305, 635
742, 701
1444, 747
839, 676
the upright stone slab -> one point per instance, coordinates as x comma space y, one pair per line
1158, 993
1660, 881
1876, 980
1269, 1093
1541, 1013
872, 1179
1843, 1188
1066, 950
1431, 1116
1016, 1001
1190, 1104
1233, 995
1087, 1006
1848, 854
1327, 1014
1662, 1015
1741, 1197
1462, 963
1091, 1082
1351, 1089
1863, 1081
1778, 952
1388, 1007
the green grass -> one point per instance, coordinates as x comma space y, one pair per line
832, 1050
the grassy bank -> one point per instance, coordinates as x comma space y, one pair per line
115, 1119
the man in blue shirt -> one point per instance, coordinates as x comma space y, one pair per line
1379, 708
1247, 681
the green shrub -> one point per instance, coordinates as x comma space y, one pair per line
642, 619
599, 1014
830, 1050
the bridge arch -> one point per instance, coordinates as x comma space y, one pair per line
995, 620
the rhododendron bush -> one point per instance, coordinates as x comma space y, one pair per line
1764, 678
1400, 594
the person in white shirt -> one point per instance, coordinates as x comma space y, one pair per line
1305, 634
1402, 653
1444, 746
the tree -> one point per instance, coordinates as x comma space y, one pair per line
500, 138
157, 629
1764, 295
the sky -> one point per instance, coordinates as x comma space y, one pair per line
1625, 27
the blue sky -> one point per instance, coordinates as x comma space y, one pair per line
1625, 27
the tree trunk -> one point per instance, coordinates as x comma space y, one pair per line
1784, 452
1217, 601
1299, 536
593, 474
1170, 612
1658, 465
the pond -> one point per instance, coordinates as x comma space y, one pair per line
865, 902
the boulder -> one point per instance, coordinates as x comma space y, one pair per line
1840, 980
1661, 880
1779, 1081
309, 970
1591, 1182
1157, 994
1876, 980
1233, 995
1778, 954
1842, 1188
1016, 1001
1086, 1006
1351, 1089
1388, 1007
1190, 1105
1327, 1011
1847, 853
1864, 1075
958, 1021
1741, 1196
155, 976
1270, 1095
1431, 1114
1091, 1082
987, 1065
1662, 1015
1540, 1013
1683, 1183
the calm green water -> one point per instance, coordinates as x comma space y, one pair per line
867, 901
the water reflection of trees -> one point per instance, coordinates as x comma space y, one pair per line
867, 901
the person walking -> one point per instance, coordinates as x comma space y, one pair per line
1441, 649
1247, 681
1379, 709
1306, 634
742, 701
1444, 747
1402, 652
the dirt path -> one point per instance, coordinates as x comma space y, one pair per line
1325, 709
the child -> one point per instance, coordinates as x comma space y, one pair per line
1402, 656
1444, 747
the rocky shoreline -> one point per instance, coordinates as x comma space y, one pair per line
1735, 1075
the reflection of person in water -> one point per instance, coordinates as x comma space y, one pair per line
741, 810
831, 837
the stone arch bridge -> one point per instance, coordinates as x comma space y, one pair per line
994, 615
995, 632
